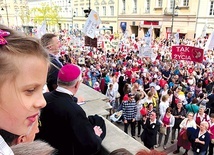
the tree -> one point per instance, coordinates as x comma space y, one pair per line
47, 13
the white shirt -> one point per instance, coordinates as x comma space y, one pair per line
4, 148
63, 90
153, 121
162, 107
186, 123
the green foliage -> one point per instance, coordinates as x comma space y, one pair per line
46, 12
24, 14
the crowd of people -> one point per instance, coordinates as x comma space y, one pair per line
154, 90
155, 93
159, 95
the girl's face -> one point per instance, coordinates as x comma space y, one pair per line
21, 97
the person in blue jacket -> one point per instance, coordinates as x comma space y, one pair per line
199, 138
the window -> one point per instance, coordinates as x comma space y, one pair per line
124, 6
112, 10
97, 9
76, 12
159, 3
104, 11
82, 12
147, 9
211, 8
135, 6
171, 4
185, 2
76, 26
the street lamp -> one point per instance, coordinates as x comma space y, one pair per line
173, 16
87, 11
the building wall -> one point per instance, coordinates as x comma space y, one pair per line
10, 12
145, 16
189, 21
204, 19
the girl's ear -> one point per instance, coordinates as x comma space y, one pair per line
21, 139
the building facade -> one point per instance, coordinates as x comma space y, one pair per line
187, 17
165, 16
107, 10
14, 13
204, 18
191, 18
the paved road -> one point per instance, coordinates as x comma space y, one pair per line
170, 147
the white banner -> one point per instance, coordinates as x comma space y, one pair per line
81, 61
148, 36
41, 30
177, 40
91, 25
147, 51
210, 42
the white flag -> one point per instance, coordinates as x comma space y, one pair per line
177, 40
148, 36
91, 24
210, 42
204, 30
41, 30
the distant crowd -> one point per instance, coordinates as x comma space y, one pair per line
142, 87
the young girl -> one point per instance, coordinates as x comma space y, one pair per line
24, 66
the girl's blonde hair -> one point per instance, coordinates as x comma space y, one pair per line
18, 45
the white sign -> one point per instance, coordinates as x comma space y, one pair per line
92, 24
109, 45
210, 42
147, 51
81, 61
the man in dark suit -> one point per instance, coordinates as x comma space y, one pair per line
64, 124
52, 44
151, 127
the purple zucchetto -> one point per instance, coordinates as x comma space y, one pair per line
69, 73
